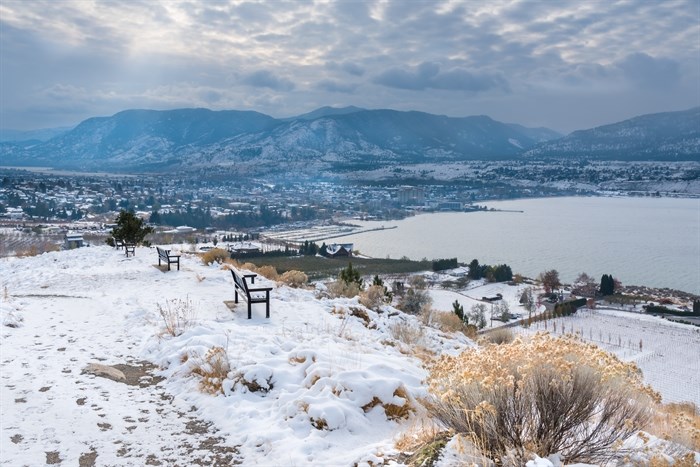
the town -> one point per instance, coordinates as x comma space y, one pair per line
45, 205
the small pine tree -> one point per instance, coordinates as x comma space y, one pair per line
458, 309
350, 275
130, 228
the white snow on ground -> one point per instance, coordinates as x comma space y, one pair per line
665, 351
309, 386
323, 376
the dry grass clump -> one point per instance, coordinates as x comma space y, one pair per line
215, 255
268, 272
294, 278
450, 322
678, 423
178, 315
393, 411
409, 334
213, 369
341, 288
374, 297
499, 336
542, 396
37, 249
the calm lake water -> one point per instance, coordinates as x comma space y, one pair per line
641, 241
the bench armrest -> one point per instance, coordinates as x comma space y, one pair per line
260, 289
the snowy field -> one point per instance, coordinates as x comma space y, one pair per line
666, 352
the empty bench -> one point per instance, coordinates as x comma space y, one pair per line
164, 255
129, 248
254, 295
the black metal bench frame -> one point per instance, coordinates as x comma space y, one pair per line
130, 248
251, 295
169, 259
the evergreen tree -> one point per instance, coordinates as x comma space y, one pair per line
377, 281
475, 271
607, 284
350, 275
130, 228
458, 309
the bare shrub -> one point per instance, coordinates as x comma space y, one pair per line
362, 314
499, 336
215, 255
410, 334
269, 272
544, 396
374, 297
294, 278
213, 369
178, 315
414, 300
341, 288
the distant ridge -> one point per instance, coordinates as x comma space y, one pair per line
659, 136
332, 139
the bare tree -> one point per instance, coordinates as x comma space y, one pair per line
550, 280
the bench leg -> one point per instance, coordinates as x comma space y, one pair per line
267, 305
178, 264
159, 261
168, 265
249, 310
235, 294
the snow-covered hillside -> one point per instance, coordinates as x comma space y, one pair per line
90, 374
309, 386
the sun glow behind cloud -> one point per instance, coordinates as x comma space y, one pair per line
450, 57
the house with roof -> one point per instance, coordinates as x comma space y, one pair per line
338, 250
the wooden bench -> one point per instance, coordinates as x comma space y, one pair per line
256, 295
164, 255
129, 248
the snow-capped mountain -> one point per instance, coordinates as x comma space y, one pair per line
660, 136
328, 138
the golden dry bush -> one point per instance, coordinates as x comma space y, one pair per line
678, 423
374, 297
213, 369
499, 336
268, 272
541, 396
448, 322
341, 288
294, 278
215, 255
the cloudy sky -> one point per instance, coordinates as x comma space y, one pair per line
562, 64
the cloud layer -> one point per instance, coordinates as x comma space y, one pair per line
566, 65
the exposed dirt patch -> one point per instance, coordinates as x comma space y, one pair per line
139, 374
221, 454
16, 438
134, 374
45, 388
81, 401
88, 459
104, 426
53, 457
20, 400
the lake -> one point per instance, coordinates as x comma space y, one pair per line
641, 241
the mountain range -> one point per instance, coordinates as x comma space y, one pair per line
337, 139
